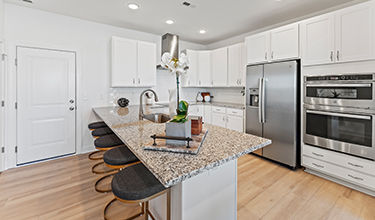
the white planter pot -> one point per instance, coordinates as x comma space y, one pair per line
174, 129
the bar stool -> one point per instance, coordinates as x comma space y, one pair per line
98, 129
116, 158
96, 133
96, 125
106, 143
136, 184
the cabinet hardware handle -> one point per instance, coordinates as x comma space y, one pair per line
338, 55
317, 165
272, 55
318, 155
240, 81
265, 56
355, 165
71, 108
331, 56
139, 81
356, 178
133, 81
71, 101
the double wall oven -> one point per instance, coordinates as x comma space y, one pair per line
339, 113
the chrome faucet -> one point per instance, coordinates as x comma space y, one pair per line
141, 115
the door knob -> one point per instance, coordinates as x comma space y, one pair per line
71, 101
71, 108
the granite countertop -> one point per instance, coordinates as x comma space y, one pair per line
221, 104
221, 145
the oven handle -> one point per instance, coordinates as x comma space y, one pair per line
339, 115
340, 85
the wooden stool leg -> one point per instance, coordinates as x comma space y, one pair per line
169, 204
146, 210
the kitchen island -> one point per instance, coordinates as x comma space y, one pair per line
204, 186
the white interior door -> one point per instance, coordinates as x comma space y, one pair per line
2, 121
45, 104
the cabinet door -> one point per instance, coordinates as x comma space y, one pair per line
191, 76
204, 68
285, 42
124, 62
258, 48
1, 21
317, 40
355, 28
235, 123
236, 66
146, 64
220, 67
218, 119
207, 118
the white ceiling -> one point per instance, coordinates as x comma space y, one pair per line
221, 18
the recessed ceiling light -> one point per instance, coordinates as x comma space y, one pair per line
202, 31
169, 21
133, 6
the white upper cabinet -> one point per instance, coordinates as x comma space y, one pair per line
285, 42
133, 63
124, 62
191, 76
278, 44
317, 40
258, 48
204, 68
220, 66
355, 28
236, 64
146, 64
342, 36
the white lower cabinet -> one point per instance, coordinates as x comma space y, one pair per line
207, 118
219, 119
235, 123
230, 118
351, 169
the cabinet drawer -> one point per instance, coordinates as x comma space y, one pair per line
364, 180
218, 109
347, 161
235, 112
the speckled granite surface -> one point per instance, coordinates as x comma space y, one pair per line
220, 104
221, 145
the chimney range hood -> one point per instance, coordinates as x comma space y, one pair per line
170, 44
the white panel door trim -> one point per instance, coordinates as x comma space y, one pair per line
2, 115
51, 113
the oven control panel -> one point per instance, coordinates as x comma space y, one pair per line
340, 77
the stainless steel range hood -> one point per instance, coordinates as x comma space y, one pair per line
170, 44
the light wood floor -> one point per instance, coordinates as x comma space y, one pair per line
63, 189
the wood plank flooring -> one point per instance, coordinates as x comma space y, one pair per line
64, 189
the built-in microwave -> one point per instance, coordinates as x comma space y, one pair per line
347, 130
349, 90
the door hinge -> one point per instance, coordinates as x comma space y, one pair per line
2, 149
16, 149
2, 103
16, 105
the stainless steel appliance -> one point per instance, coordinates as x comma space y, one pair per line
347, 130
272, 109
341, 90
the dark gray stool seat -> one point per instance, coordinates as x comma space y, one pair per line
101, 132
96, 125
108, 141
135, 183
119, 156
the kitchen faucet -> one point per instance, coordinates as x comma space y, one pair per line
141, 115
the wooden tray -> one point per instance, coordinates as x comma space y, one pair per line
195, 145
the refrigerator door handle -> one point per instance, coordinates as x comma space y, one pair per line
263, 91
260, 100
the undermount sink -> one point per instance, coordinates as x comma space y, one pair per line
157, 117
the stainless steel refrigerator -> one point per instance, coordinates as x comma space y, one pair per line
272, 109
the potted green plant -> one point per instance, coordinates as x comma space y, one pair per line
180, 125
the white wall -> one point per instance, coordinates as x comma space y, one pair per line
25, 26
